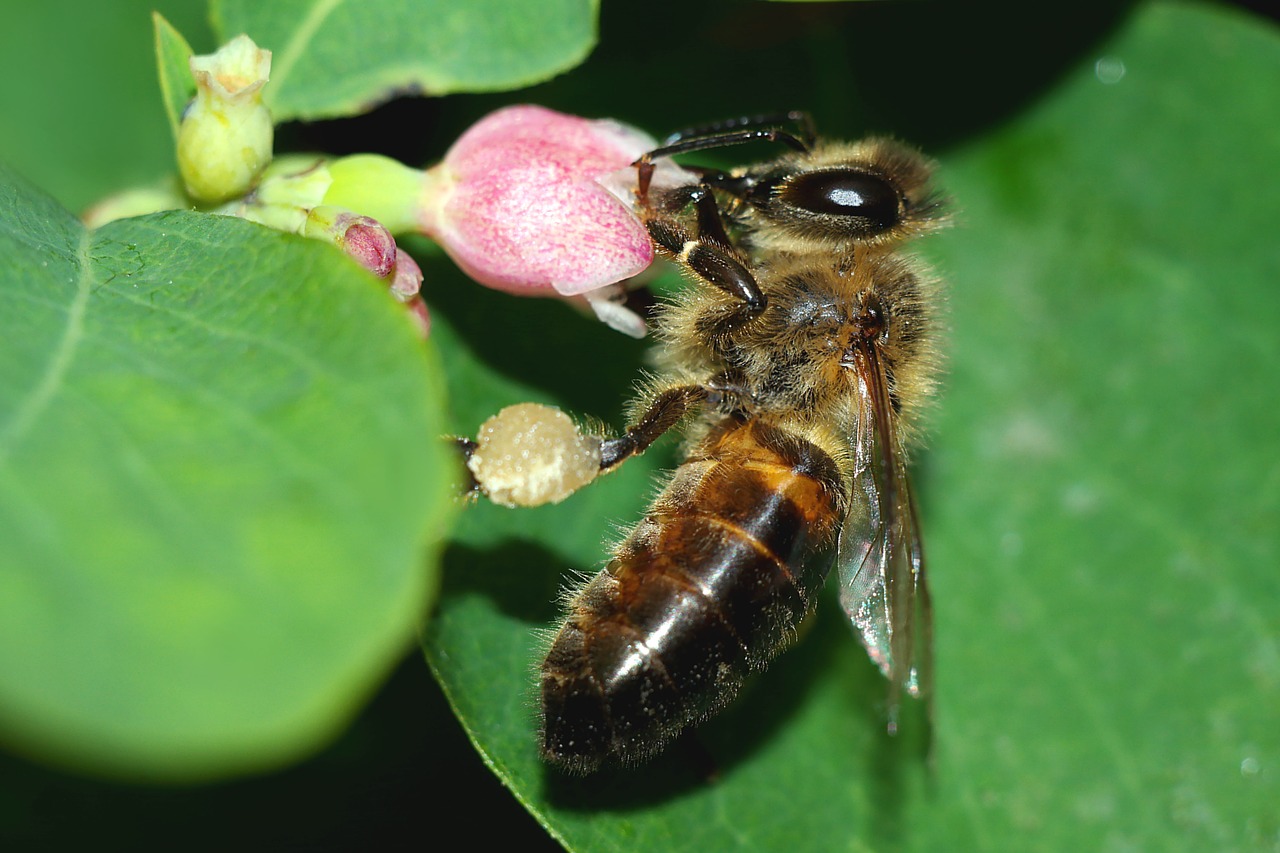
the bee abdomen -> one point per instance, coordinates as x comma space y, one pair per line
708, 587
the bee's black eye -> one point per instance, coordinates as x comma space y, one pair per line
846, 193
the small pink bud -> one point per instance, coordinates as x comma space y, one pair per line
406, 279
361, 237
371, 245
518, 203
406, 282
418, 313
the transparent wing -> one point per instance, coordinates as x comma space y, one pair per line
879, 559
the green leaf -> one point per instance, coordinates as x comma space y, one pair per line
1099, 499
337, 59
177, 86
220, 490
83, 111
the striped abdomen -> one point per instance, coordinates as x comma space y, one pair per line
708, 587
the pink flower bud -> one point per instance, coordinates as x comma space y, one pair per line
406, 282
418, 313
406, 278
361, 237
519, 203
371, 245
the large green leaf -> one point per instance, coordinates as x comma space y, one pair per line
219, 489
1099, 502
335, 58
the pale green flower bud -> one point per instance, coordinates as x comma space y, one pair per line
287, 192
225, 138
377, 186
134, 202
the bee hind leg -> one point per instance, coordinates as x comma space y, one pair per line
663, 413
466, 447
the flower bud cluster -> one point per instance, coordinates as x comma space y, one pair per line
528, 201
293, 196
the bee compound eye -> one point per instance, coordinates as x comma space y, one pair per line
847, 193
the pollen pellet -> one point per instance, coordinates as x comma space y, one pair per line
529, 454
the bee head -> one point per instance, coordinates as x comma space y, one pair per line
869, 192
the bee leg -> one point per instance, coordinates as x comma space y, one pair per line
800, 118
708, 255
466, 447
727, 138
663, 413
710, 223
683, 145
729, 391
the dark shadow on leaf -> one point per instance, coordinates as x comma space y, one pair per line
521, 577
772, 699
544, 343
377, 786
893, 761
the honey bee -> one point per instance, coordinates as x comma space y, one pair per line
798, 360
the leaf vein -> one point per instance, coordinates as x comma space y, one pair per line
288, 57
29, 410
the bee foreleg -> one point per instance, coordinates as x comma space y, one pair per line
663, 413
727, 138
709, 257
711, 227
801, 118
726, 133
708, 252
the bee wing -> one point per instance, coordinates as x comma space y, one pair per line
879, 557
